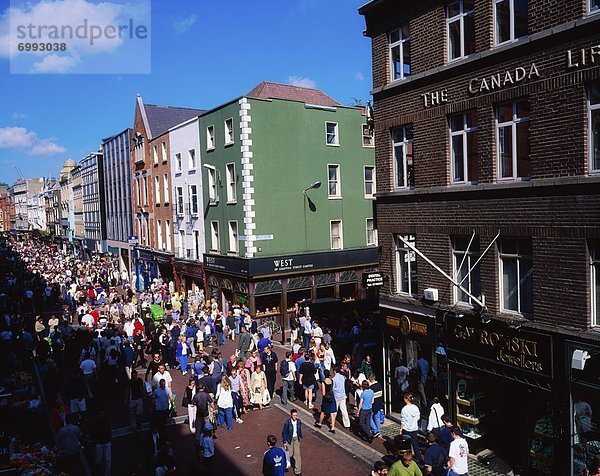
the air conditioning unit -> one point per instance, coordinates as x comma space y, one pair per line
430, 294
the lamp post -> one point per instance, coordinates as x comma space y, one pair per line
315, 185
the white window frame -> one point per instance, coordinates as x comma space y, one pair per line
397, 44
214, 236
336, 134
155, 154
518, 256
401, 251
404, 142
157, 189
373, 242
513, 125
181, 243
212, 184
164, 151
193, 193
166, 187
370, 136
590, 109
196, 242
138, 191
210, 137
234, 247
192, 159
179, 201
340, 237
457, 257
511, 6
594, 270
459, 17
229, 132
465, 159
589, 8
168, 234
145, 190
159, 234
337, 182
178, 163
372, 181
231, 183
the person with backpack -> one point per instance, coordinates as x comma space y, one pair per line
287, 369
436, 457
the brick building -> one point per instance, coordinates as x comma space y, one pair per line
487, 133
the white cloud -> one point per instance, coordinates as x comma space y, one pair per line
15, 137
47, 147
55, 64
359, 76
302, 81
184, 24
19, 115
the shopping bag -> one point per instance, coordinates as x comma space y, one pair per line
266, 397
288, 459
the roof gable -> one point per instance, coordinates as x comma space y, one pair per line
269, 90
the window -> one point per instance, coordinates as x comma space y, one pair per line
168, 234
331, 133
595, 273
335, 232
461, 28
463, 148
196, 244
192, 159
594, 125
371, 233
231, 190
402, 147
182, 243
179, 200
159, 232
210, 137
155, 154
463, 261
512, 124
157, 190
594, 6
233, 237
212, 185
164, 151
178, 163
399, 45
516, 271
166, 188
229, 131
367, 136
510, 20
214, 236
406, 266
369, 179
138, 191
145, 191
333, 177
193, 199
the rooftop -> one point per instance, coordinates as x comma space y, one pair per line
162, 118
269, 90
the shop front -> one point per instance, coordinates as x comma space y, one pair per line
409, 333
502, 392
146, 269
189, 275
164, 263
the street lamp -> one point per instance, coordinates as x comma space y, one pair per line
315, 185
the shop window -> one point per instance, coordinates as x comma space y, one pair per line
464, 272
585, 433
594, 6
594, 124
510, 20
512, 126
402, 149
399, 53
406, 267
595, 274
516, 271
461, 28
463, 148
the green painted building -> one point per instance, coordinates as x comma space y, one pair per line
288, 192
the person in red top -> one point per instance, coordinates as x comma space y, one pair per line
95, 315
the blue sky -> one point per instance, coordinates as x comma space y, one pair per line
203, 53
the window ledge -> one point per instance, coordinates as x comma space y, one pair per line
209, 149
334, 197
228, 144
232, 202
192, 170
369, 197
332, 145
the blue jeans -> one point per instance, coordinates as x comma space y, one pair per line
220, 338
415, 445
453, 473
376, 422
306, 340
225, 417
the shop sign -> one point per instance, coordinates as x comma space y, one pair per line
391, 321
228, 264
583, 57
372, 280
406, 325
507, 78
508, 347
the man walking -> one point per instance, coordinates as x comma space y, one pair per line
274, 460
244, 343
459, 454
291, 436
287, 369
339, 393
271, 366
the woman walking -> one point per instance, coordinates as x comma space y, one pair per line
181, 354
236, 382
188, 399
365, 409
328, 405
308, 380
224, 399
244, 385
258, 388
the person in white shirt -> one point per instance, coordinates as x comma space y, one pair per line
161, 374
317, 334
435, 417
288, 380
307, 332
409, 418
458, 454
329, 358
